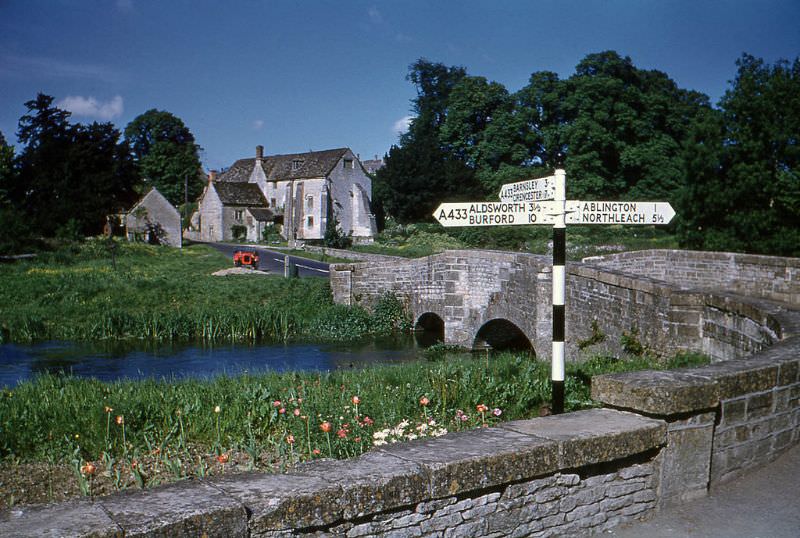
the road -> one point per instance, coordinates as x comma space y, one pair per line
273, 260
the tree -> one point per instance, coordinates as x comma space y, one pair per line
166, 154
419, 173
66, 173
742, 179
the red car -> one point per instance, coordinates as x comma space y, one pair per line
247, 258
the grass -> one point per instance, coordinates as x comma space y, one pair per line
160, 293
52, 418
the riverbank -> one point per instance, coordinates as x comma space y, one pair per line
99, 290
62, 437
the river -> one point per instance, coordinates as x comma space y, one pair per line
139, 360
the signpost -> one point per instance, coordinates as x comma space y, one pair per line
543, 201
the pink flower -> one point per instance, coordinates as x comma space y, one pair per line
424, 401
276, 403
326, 426
290, 439
368, 421
464, 418
316, 452
356, 400
281, 410
296, 412
342, 434
481, 408
497, 412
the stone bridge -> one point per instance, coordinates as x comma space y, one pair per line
721, 304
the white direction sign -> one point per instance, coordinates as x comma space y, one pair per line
496, 213
530, 190
619, 212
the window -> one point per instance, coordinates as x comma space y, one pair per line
296, 164
310, 222
272, 202
310, 202
238, 214
347, 163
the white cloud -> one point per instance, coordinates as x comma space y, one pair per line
401, 125
258, 125
91, 107
375, 15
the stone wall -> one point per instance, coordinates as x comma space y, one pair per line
570, 474
767, 277
722, 419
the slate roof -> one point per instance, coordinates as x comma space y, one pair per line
240, 194
280, 167
261, 214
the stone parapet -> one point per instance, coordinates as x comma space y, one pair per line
566, 474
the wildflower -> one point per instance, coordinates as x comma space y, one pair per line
424, 401
342, 433
223, 458
316, 452
326, 426
120, 420
296, 412
217, 409
77, 436
290, 439
108, 409
178, 412
282, 411
368, 421
497, 412
357, 439
464, 418
276, 403
481, 408
356, 400
88, 469
459, 413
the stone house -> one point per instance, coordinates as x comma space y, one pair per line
300, 191
154, 220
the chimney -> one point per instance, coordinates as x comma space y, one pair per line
259, 152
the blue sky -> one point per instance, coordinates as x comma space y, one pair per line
295, 75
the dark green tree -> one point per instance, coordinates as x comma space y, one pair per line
74, 174
419, 172
743, 183
16, 235
166, 154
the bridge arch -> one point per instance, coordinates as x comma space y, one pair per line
429, 329
502, 335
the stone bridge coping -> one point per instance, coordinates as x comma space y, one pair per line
322, 493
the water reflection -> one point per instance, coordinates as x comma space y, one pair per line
109, 361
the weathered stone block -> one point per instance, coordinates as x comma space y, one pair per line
373, 482
478, 459
182, 509
657, 392
733, 411
286, 501
686, 467
72, 518
759, 405
594, 435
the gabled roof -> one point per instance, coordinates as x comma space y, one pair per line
242, 194
281, 167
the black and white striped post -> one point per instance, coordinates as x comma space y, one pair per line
559, 293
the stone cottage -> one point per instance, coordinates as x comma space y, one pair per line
298, 193
154, 220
